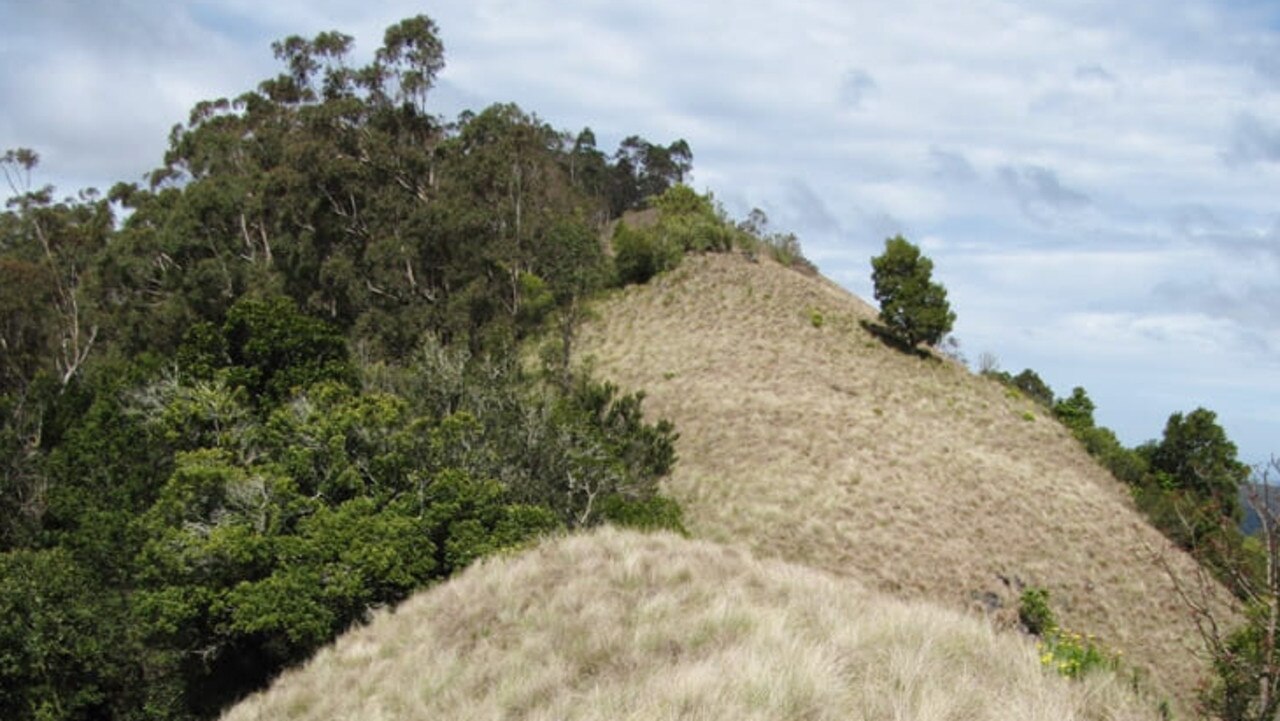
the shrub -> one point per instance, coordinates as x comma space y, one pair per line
1075, 412
274, 349
680, 199
1034, 611
1034, 387
1068, 653
1074, 654
657, 513
754, 236
640, 254
785, 248
691, 223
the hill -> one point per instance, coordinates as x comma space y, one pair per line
616, 625
805, 438
277, 386
1267, 498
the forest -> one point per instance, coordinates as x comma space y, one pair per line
284, 382
322, 358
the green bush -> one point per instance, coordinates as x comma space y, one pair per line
640, 254
1075, 412
1074, 654
785, 248
656, 513
1034, 387
1034, 611
753, 235
680, 199
274, 350
64, 643
1066, 652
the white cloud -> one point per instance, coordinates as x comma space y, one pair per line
1087, 174
1254, 140
855, 87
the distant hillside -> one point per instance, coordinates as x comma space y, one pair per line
1270, 495
615, 626
805, 438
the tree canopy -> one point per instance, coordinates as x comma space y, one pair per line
280, 383
912, 306
1195, 455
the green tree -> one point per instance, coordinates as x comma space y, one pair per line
285, 388
51, 246
643, 170
1031, 384
1196, 456
912, 306
268, 348
64, 642
1076, 411
589, 171
26, 328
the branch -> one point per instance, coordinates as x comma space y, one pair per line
1197, 601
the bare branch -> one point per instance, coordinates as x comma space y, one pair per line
1245, 657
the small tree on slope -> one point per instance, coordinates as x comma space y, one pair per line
912, 306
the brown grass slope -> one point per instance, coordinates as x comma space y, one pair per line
615, 626
822, 446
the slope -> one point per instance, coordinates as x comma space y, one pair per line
622, 626
806, 438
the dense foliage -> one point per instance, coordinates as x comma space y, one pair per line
913, 308
281, 386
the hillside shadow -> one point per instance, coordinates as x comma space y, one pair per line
883, 334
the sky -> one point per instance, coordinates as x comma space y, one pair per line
1096, 182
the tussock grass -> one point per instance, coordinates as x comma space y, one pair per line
823, 446
615, 625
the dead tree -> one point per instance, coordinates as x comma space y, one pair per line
1240, 635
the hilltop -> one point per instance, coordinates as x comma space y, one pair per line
286, 383
612, 625
804, 437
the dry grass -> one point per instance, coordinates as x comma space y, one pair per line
822, 446
622, 626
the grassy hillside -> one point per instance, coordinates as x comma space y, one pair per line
622, 626
805, 438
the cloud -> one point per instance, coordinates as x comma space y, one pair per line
1038, 189
1137, 142
1236, 280
1253, 140
1094, 73
803, 203
95, 88
1250, 305
1196, 220
951, 166
855, 86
